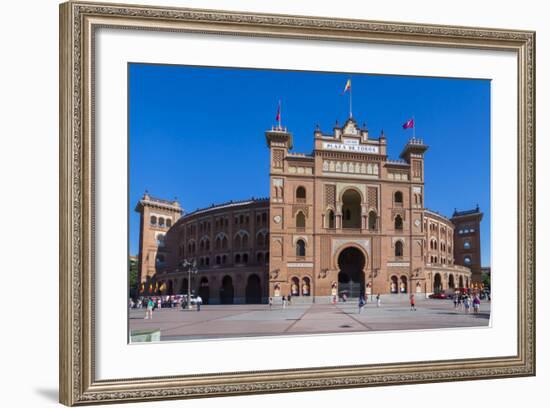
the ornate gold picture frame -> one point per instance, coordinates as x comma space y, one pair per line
78, 24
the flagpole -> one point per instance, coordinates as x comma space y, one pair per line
350, 106
414, 128
280, 116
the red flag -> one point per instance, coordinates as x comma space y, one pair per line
347, 87
408, 124
278, 117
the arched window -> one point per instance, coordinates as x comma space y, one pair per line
467, 245
330, 219
372, 221
218, 260
260, 240
300, 248
301, 193
398, 224
245, 241
224, 242
168, 222
238, 258
153, 220
259, 257
161, 222
467, 260
300, 220
399, 249
245, 258
351, 209
160, 240
237, 242
398, 198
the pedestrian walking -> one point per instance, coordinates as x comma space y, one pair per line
149, 309
477, 303
467, 304
378, 300
270, 303
413, 304
199, 303
288, 298
455, 300
160, 303
361, 304
284, 302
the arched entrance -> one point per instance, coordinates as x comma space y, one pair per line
403, 286
451, 281
204, 290
351, 278
393, 285
306, 286
351, 209
226, 291
438, 287
461, 282
170, 290
295, 286
253, 289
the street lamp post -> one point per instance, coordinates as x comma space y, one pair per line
191, 269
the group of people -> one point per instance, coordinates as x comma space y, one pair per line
285, 301
363, 302
159, 302
466, 302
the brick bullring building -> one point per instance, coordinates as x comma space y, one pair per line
344, 219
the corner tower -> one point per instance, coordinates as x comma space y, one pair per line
467, 241
156, 218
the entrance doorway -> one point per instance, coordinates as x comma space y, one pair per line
204, 290
438, 287
253, 289
226, 291
351, 279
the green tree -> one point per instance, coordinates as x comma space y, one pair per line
133, 276
486, 279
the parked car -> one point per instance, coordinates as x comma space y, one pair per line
440, 295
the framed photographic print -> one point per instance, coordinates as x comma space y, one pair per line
259, 203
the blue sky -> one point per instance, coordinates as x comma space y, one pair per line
197, 133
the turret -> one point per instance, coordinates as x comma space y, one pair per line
157, 217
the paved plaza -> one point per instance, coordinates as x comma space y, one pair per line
216, 321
